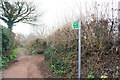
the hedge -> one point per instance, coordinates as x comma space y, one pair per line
6, 39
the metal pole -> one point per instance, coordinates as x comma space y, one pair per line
79, 52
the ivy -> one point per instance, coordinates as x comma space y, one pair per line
6, 40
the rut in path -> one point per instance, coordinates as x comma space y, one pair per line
26, 67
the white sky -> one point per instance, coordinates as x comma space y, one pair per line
56, 11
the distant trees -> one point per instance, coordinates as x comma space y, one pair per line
15, 12
20, 39
39, 30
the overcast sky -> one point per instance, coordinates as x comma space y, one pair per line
56, 11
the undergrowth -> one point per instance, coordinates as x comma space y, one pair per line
5, 60
100, 47
8, 53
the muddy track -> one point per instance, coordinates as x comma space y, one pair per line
24, 67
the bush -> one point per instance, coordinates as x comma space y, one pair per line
6, 40
62, 48
37, 46
5, 60
61, 60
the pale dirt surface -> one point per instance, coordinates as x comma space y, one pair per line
25, 67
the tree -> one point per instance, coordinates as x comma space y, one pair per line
15, 12
39, 30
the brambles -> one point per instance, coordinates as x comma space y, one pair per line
61, 61
96, 45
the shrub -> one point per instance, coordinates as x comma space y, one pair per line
5, 60
62, 47
6, 40
37, 46
60, 61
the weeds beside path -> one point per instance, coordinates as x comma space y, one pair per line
25, 66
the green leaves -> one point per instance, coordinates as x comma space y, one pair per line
59, 72
53, 66
90, 76
119, 70
12, 56
6, 40
16, 50
5, 58
56, 72
34, 53
61, 60
4, 61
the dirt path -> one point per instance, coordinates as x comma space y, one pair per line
25, 67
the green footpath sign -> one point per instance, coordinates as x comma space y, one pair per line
75, 25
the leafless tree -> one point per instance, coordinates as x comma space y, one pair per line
14, 12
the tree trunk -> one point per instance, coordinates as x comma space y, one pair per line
10, 25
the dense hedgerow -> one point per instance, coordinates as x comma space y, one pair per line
96, 41
6, 43
6, 40
36, 45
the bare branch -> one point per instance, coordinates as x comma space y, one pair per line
3, 19
17, 11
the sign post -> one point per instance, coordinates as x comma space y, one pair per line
119, 11
77, 25
119, 18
